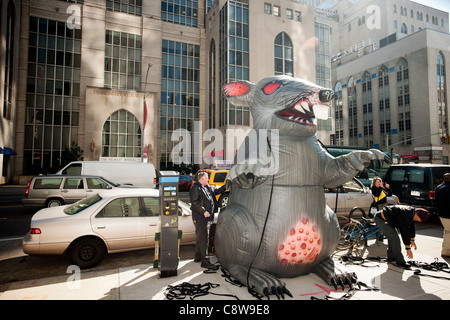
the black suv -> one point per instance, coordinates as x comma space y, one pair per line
414, 184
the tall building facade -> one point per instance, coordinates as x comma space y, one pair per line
115, 78
10, 20
389, 74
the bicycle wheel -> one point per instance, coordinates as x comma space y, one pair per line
348, 235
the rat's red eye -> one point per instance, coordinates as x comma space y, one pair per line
271, 87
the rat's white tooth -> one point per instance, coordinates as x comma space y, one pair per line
299, 108
305, 106
321, 111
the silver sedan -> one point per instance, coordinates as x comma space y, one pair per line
350, 195
102, 223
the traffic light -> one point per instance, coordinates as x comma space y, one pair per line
445, 139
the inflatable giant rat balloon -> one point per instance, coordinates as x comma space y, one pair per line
277, 223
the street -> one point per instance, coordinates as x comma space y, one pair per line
17, 266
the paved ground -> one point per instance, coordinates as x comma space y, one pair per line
142, 281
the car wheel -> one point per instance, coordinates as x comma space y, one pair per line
223, 200
87, 252
54, 203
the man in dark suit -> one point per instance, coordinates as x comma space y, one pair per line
203, 206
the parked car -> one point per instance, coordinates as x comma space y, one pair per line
415, 183
138, 174
217, 178
57, 190
105, 222
352, 194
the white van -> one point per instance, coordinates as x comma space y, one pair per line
138, 174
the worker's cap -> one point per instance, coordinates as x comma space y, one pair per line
422, 213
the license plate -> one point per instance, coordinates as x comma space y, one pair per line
415, 193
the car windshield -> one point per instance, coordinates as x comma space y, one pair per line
82, 204
111, 183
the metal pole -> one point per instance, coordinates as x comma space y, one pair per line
143, 112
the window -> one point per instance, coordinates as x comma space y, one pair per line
352, 115
9, 62
323, 68
404, 29
151, 206
267, 8
289, 14
125, 6
283, 53
73, 183
398, 175
180, 12
298, 16
339, 118
442, 95
123, 207
212, 84
220, 177
82, 204
121, 136
47, 183
233, 60
276, 11
367, 109
384, 105
403, 99
123, 59
73, 169
180, 91
96, 183
52, 93
416, 175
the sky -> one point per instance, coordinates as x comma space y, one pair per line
443, 5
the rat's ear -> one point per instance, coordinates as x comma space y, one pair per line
239, 93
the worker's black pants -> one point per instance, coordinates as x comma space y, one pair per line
201, 239
394, 250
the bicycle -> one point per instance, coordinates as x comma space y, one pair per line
355, 233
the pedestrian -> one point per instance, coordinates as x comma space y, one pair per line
203, 206
380, 192
442, 196
401, 218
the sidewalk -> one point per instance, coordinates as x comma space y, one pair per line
142, 282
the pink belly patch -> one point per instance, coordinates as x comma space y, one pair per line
302, 245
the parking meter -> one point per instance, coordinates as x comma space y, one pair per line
168, 249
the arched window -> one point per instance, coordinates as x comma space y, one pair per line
442, 94
283, 53
121, 136
338, 115
403, 100
404, 29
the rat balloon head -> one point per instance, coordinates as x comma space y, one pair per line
288, 104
